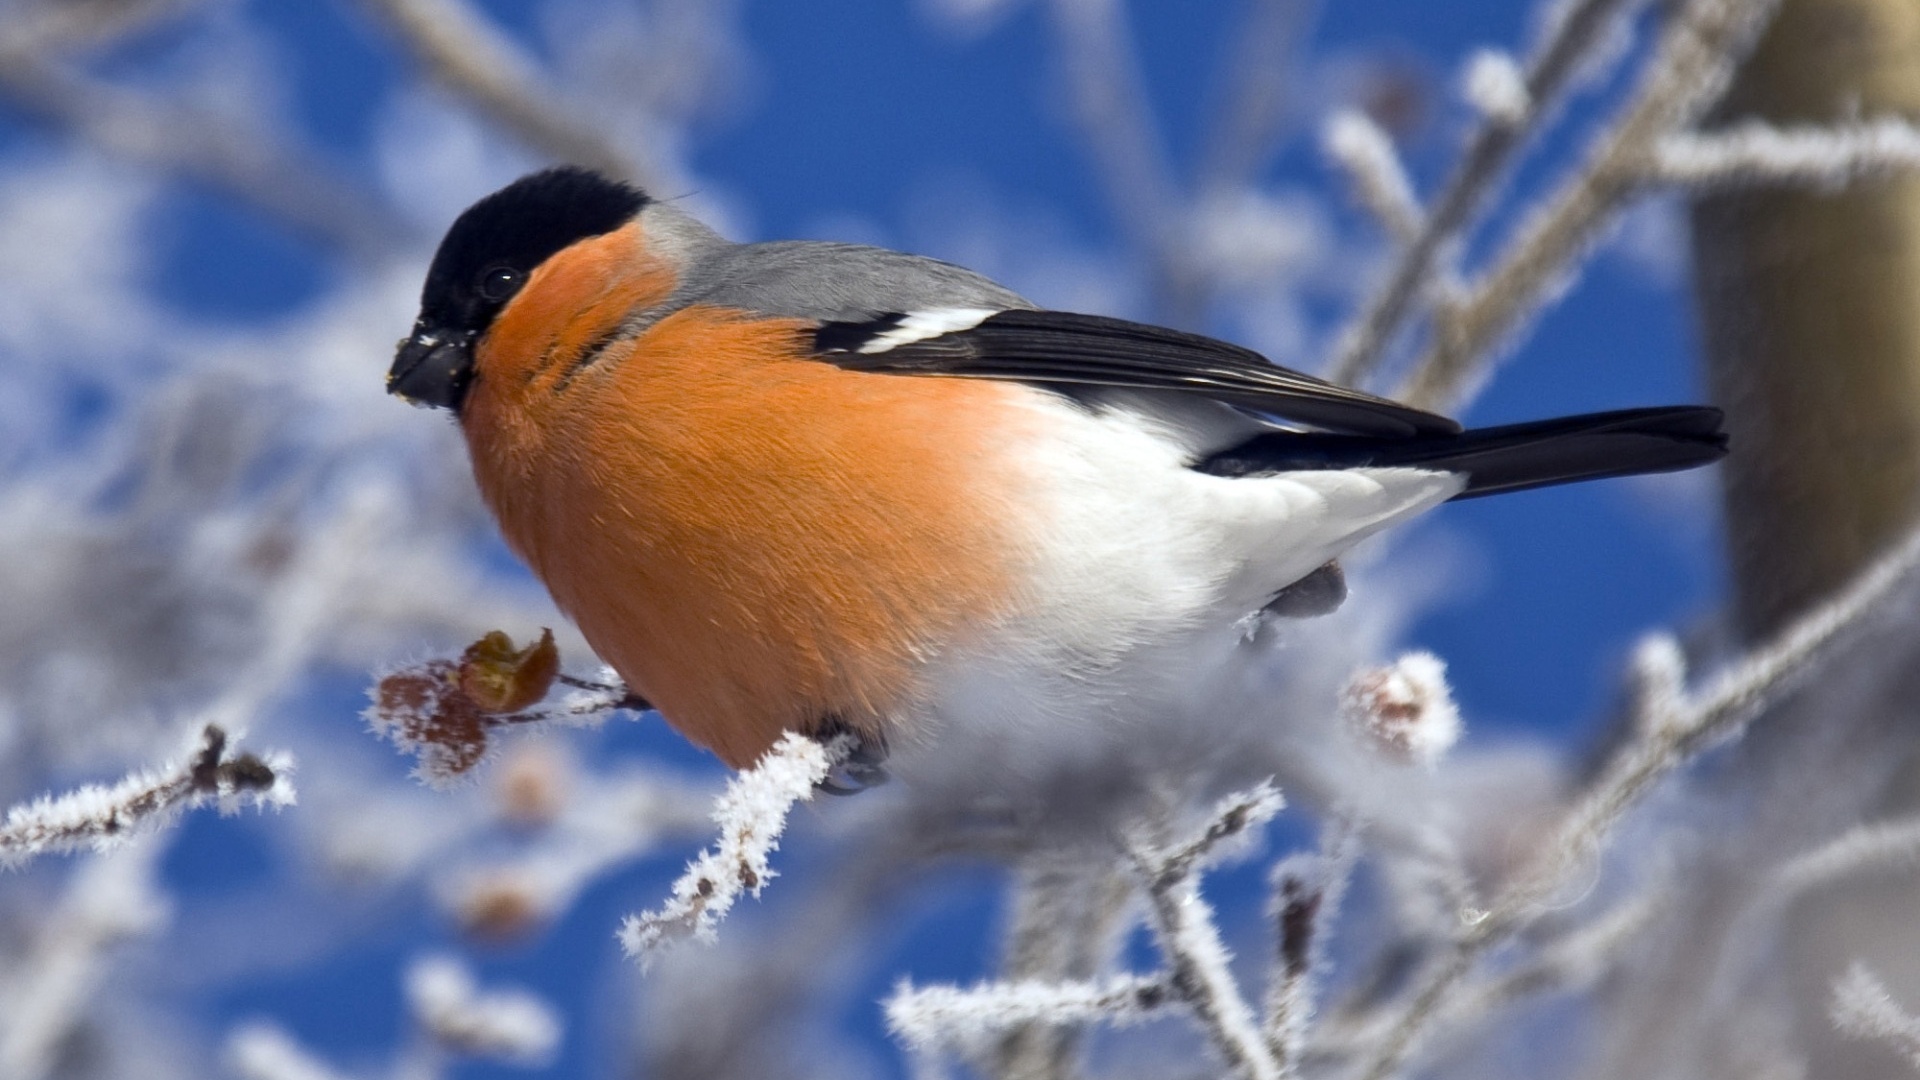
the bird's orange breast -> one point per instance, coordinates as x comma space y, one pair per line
755, 540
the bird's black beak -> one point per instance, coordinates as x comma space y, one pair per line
432, 368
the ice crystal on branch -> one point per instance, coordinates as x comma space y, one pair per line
102, 816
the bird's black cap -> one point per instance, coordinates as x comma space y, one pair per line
485, 257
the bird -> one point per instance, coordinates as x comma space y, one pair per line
836, 489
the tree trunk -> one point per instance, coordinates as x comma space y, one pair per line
1810, 303
1811, 308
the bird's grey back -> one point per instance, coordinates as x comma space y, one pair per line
832, 282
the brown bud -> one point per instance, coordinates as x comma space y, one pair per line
499, 911
423, 710
499, 679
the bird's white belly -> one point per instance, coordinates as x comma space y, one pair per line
1140, 572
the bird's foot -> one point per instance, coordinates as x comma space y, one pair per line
861, 768
1319, 593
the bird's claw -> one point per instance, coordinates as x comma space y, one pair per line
861, 768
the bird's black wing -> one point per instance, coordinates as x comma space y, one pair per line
1068, 350
1512, 457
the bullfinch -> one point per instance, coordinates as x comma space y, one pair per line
829, 488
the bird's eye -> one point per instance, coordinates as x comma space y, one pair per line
500, 282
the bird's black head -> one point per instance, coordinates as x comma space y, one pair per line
484, 260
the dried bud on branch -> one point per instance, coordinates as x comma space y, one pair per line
1405, 710
444, 711
102, 817
498, 678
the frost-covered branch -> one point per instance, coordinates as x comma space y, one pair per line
1113, 116
1575, 959
450, 1009
1863, 1007
1366, 154
1694, 58
933, 1019
752, 815
100, 817
263, 1051
1674, 727
1754, 153
1307, 893
1892, 846
1256, 91
1184, 928
47, 992
586, 822
1571, 40
245, 161
476, 61
1069, 911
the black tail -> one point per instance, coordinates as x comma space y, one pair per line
1513, 457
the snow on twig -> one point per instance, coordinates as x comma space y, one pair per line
587, 822
933, 1018
263, 1051
1070, 909
1571, 39
1307, 894
1886, 845
1756, 153
508, 1025
1494, 84
1694, 58
1184, 928
1861, 1006
103, 816
1575, 959
752, 815
48, 994
1366, 154
1675, 727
